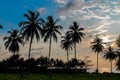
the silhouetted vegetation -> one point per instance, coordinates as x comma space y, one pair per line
75, 33
48, 29
30, 28
16, 64
97, 47
110, 54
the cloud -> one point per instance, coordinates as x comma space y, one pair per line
42, 10
65, 3
96, 15
62, 17
36, 49
61, 2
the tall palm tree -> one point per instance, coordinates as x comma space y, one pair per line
31, 28
97, 47
110, 54
66, 44
76, 34
51, 29
13, 41
118, 52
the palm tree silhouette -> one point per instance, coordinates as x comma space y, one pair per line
76, 34
31, 28
118, 52
118, 41
51, 29
97, 47
110, 54
13, 41
66, 44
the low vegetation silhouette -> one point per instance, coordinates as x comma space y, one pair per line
48, 30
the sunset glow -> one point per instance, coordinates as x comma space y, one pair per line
100, 17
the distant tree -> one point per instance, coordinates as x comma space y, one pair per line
43, 62
118, 52
76, 34
110, 54
73, 63
97, 47
12, 61
87, 62
51, 29
52, 62
13, 41
59, 64
31, 28
66, 44
118, 64
31, 64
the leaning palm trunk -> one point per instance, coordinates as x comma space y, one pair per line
75, 50
50, 47
30, 48
110, 66
97, 64
67, 56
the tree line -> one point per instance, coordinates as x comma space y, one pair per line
16, 64
48, 29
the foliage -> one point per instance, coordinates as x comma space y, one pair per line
76, 34
13, 41
31, 28
16, 64
97, 47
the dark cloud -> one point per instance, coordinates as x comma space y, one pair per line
70, 5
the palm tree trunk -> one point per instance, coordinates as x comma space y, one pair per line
75, 50
50, 47
111, 66
67, 56
97, 64
30, 48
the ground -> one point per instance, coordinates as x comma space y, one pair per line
60, 77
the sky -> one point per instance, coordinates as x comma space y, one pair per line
95, 16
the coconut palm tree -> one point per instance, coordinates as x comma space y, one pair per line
110, 54
51, 29
66, 44
97, 47
13, 41
118, 52
31, 28
76, 34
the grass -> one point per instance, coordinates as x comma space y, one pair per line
60, 77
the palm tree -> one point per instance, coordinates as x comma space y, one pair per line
110, 54
66, 44
13, 41
97, 47
51, 29
76, 34
118, 52
31, 28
